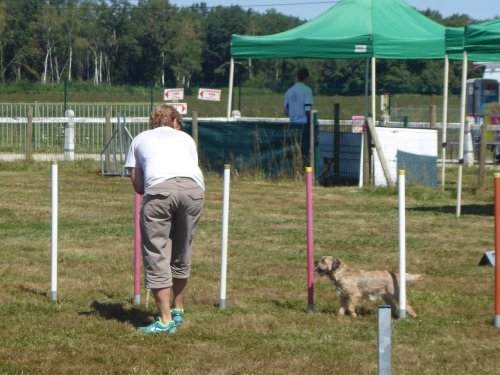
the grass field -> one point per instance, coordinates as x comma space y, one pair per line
265, 329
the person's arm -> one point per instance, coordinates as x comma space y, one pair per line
137, 177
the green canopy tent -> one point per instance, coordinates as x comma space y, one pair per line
479, 42
351, 29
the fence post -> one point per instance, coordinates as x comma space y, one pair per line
433, 116
69, 136
108, 131
195, 128
482, 155
366, 154
29, 135
336, 138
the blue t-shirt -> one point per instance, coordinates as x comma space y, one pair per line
298, 100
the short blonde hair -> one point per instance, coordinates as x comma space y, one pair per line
164, 115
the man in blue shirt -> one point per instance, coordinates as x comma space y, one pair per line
297, 105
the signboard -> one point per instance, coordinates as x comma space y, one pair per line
358, 124
492, 117
209, 94
180, 107
173, 94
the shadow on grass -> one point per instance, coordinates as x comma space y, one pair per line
34, 291
469, 209
116, 311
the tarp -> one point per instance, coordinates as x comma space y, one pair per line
455, 42
482, 41
351, 29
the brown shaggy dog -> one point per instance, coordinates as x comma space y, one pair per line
355, 285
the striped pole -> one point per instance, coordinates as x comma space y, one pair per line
225, 225
310, 240
53, 282
497, 250
137, 249
402, 245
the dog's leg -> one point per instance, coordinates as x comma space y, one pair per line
410, 311
343, 305
391, 300
352, 302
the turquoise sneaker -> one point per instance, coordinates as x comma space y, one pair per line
159, 327
177, 316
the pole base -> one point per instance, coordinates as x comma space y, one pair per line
497, 321
53, 295
310, 308
137, 299
402, 314
222, 304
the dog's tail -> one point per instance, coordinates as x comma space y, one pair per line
414, 277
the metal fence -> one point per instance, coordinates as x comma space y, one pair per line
91, 135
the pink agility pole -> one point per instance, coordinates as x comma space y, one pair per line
497, 250
310, 240
137, 249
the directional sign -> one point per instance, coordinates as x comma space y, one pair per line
173, 94
209, 94
358, 123
180, 107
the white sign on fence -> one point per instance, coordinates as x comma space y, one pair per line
358, 123
180, 107
209, 94
173, 94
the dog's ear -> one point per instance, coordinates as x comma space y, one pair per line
335, 264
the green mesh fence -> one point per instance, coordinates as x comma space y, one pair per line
269, 148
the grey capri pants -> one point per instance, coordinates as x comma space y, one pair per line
170, 212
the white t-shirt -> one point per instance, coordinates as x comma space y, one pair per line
298, 100
164, 153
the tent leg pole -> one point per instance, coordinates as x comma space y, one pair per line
445, 120
462, 126
374, 97
230, 91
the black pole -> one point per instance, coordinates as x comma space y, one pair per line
151, 90
336, 147
65, 95
239, 97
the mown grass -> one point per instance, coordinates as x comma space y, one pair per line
265, 329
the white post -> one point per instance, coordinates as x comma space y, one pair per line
402, 245
69, 136
384, 340
225, 225
361, 156
230, 91
374, 95
53, 283
462, 126
468, 147
445, 119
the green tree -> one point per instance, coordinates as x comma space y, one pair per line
221, 23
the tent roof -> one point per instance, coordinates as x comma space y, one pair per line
482, 41
455, 42
388, 29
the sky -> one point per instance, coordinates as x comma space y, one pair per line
306, 10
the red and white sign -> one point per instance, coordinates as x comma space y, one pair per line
182, 108
173, 94
209, 94
358, 123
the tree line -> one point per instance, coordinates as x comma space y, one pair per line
154, 41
